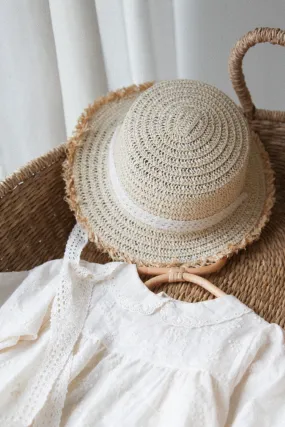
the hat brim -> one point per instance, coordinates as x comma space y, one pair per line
125, 238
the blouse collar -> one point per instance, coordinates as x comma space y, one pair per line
132, 295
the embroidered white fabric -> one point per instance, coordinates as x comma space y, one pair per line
156, 221
84, 344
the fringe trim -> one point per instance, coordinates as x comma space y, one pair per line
78, 138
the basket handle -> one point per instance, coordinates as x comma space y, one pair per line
274, 36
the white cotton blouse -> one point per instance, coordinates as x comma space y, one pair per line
85, 344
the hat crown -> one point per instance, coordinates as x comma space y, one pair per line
182, 150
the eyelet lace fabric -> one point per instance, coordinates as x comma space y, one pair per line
84, 344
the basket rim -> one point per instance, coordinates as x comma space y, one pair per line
31, 169
275, 116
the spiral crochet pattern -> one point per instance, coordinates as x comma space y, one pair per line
168, 174
182, 151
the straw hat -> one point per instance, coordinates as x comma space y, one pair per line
168, 174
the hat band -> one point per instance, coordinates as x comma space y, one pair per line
155, 221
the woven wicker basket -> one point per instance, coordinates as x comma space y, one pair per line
35, 219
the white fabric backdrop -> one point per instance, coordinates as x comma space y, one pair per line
57, 56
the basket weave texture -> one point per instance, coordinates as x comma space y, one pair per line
35, 220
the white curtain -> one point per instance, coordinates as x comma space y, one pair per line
57, 56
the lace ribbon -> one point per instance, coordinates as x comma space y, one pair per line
155, 221
69, 310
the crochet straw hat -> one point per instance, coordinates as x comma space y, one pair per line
168, 174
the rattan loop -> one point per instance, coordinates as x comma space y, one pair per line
176, 274
274, 36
